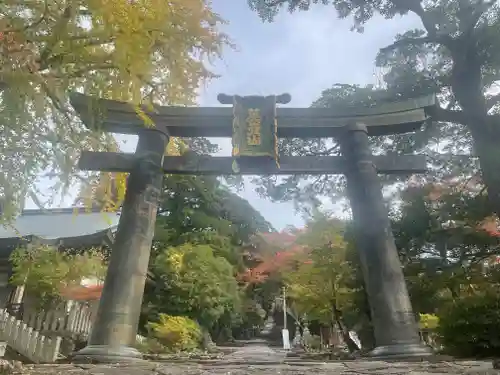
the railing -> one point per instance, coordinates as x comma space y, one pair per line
30, 336
27, 341
430, 338
140, 339
76, 321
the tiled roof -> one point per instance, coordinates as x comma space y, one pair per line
53, 224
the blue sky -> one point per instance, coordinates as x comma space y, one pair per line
301, 54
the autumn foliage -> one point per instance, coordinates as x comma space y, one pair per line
141, 52
453, 191
271, 261
50, 275
82, 293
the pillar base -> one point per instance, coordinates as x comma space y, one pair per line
400, 351
107, 354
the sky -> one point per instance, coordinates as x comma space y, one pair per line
301, 54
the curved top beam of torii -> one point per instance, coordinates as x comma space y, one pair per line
279, 99
120, 117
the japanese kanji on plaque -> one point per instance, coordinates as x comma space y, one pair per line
255, 127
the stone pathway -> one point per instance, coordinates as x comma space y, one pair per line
257, 358
256, 351
337, 368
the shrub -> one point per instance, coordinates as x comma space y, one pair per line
469, 327
314, 343
150, 346
428, 322
176, 333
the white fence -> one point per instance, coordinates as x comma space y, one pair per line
27, 341
29, 337
78, 320
140, 339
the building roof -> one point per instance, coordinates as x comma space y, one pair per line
67, 226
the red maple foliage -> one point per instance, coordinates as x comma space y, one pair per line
472, 185
491, 226
82, 293
271, 263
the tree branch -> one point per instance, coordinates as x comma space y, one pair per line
446, 115
433, 36
326, 152
417, 8
473, 19
414, 41
33, 24
56, 34
430, 26
273, 3
80, 72
461, 117
48, 62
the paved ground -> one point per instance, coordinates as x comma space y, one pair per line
345, 368
258, 359
256, 351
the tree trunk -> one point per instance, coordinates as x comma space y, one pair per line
207, 341
468, 88
351, 345
454, 293
337, 314
487, 149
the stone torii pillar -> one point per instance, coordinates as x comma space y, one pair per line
115, 327
395, 328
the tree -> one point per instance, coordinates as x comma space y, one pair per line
192, 281
455, 55
106, 190
318, 269
199, 217
142, 52
321, 281
46, 272
201, 210
267, 253
271, 263
445, 243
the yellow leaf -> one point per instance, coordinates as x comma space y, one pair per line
143, 52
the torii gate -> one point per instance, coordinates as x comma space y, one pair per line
255, 124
